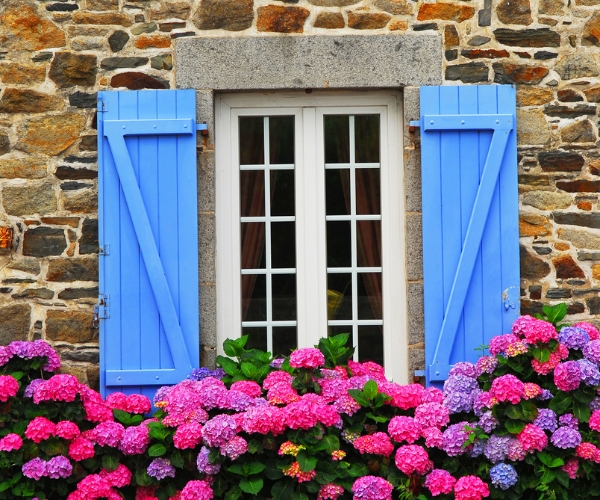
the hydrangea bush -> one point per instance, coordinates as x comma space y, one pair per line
521, 423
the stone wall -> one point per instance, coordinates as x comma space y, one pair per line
55, 56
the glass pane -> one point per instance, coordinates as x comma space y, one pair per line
366, 137
252, 193
369, 296
368, 195
252, 140
368, 242
370, 344
284, 340
282, 192
338, 244
337, 138
337, 191
283, 244
339, 296
284, 297
254, 297
253, 245
281, 140
257, 338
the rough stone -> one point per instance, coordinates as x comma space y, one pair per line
484, 16
577, 65
279, 19
88, 43
451, 55
512, 73
80, 159
44, 242
397, 7
34, 293
532, 267
562, 247
569, 95
164, 61
123, 62
74, 186
61, 221
69, 70
580, 238
542, 37
15, 322
579, 186
154, 42
577, 132
478, 40
4, 144
21, 74
558, 293
367, 20
167, 27
588, 256
551, 7
559, 161
329, 20
593, 305
533, 96
50, 135
398, 25
333, 3
566, 267
181, 10
23, 168
230, 15
484, 53
542, 250
445, 12
79, 355
596, 271
535, 292
117, 40
514, 12
547, 200
80, 202
592, 94
64, 173
61, 7
102, 5
28, 101
534, 225
591, 31
144, 28
108, 18
468, 73
534, 180
30, 266
74, 327
21, 28
451, 38
578, 219
568, 111
532, 127
83, 100
38, 198
88, 143
134, 80
75, 269
88, 242
78, 293
543, 55
425, 27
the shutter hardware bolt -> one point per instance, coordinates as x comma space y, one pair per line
462, 121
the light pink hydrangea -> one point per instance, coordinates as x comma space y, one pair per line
571, 467
507, 388
439, 482
434, 438
248, 387
108, 434
307, 357
135, 440
534, 330
413, 458
62, 387
404, 397
432, 415
402, 428
197, 490
591, 330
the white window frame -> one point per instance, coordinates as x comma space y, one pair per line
308, 110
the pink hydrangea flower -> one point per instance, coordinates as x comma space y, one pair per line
81, 449
567, 376
34, 469
376, 444
594, 421
66, 429
587, 451
534, 330
404, 397
248, 387
264, 419
591, 330
11, 442
470, 488
499, 343
96, 410
108, 434
219, 429
188, 436
235, 447
282, 393
439, 482
300, 415
307, 357
329, 491
63, 387
8, 387
413, 458
532, 438
373, 370
146, 493
434, 438
507, 388
402, 428
432, 415
532, 390
197, 490
432, 395
571, 467
40, 429
117, 478
135, 440
372, 488
277, 377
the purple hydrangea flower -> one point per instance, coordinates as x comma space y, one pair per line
546, 419
219, 429
568, 420
238, 400
478, 447
589, 372
454, 438
277, 362
30, 389
573, 337
59, 467
592, 351
458, 401
515, 450
496, 449
595, 404
200, 373
488, 422
460, 383
566, 437
487, 364
34, 469
160, 468
235, 447
503, 476
465, 368
204, 465
545, 395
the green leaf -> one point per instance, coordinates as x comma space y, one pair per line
548, 476
585, 395
514, 412
514, 427
298, 495
358, 470
555, 313
122, 416
18, 375
237, 469
4, 485
563, 478
560, 402
234, 493
307, 463
545, 457
136, 419
158, 430
142, 478
110, 462
157, 450
339, 340
228, 364
254, 468
272, 471
251, 485
370, 390
557, 462
328, 444
282, 490
359, 397
249, 370
529, 410
177, 460
581, 411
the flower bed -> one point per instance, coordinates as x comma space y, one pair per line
522, 423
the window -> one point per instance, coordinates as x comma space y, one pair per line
309, 229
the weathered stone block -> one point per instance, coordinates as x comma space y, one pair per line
25, 168
164, 61
44, 242
102, 4
76, 269
153, 42
181, 10
552, 7
532, 127
570, 112
592, 94
83, 100
566, 267
23, 28
577, 65
484, 53
69, 70
532, 267
542, 37
50, 135
569, 95
74, 327
367, 20
79, 355
535, 292
534, 225
578, 132
78, 293
542, 250
64, 172
31, 266
451, 54
170, 26
580, 238
117, 40
281, 19
333, 3
37, 198
88, 242
445, 12
15, 323
123, 62
34, 293
478, 40
144, 28
88, 143
578, 219
468, 73
134, 80
20, 74
559, 161
329, 20
514, 12
591, 31
512, 73
4, 144
396, 7
28, 101
398, 25
558, 293
74, 186
547, 200
534, 180
533, 96
80, 202
230, 15
579, 186
543, 55
451, 38
102, 18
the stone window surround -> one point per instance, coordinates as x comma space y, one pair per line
349, 62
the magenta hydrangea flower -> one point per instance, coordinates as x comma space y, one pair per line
81, 449
108, 434
432, 415
439, 482
135, 440
197, 490
58, 467
63, 387
432, 395
402, 428
465, 368
307, 357
277, 377
404, 397
532, 438
119, 477
516, 452
40, 429
571, 467
433, 437
534, 330
235, 447
66, 429
372, 488
507, 388
8, 387
378, 443
499, 344
587, 451
413, 458
264, 419
567, 376
594, 421
591, 330
470, 488
34, 469
187, 436
300, 415
248, 387
11, 442
329, 491
203, 464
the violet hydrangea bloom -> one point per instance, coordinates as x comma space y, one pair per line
573, 337
496, 449
590, 375
568, 420
460, 383
503, 476
592, 351
458, 401
487, 422
594, 403
34, 469
546, 419
204, 465
454, 438
372, 488
59, 467
566, 437
465, 368
160, 468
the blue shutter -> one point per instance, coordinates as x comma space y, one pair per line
148, 235
470, 221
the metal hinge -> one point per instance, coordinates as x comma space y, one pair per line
102, 106
104, 250
101, 310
